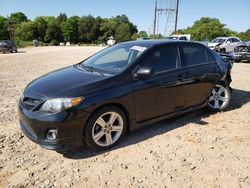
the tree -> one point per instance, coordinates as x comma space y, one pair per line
26, 31
53, 31
18, 17
245, 35
207, 29
41, 25
143, 34
88, 29
3, 31
123, 32
62, 17
70, 29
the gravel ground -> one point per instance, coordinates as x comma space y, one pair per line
198, 149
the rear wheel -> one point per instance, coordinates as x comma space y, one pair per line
223, 51
219, 98
105, 128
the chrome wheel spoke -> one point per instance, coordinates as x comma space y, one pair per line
101, 122
109, 139
221, 90
216, 104
214, 92
223, 99
99, 135
117, 128
211, 98
113, 117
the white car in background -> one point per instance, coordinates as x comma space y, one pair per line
224, 44
186, 37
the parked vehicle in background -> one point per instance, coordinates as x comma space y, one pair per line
121, 88
186, 37
111, 41
7, 46
241, 52
143, 38
224, 44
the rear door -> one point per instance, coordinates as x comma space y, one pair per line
162, 93
201, 73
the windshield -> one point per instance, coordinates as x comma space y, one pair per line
115, 59
218, 40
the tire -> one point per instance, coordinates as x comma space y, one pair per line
219, 98
223, 51
16, 51
102, 131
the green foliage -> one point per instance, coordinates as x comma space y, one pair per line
88, 29
143, 34
123, 32
62, 17
245, 35
70, 29
3, 29
158, 36
25, 31
53, 31
41, 26
207, 29
18, 17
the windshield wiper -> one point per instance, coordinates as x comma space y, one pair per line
93, 69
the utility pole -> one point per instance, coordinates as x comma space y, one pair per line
155, 17
171, 11
176, 16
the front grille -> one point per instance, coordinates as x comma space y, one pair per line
30, 103
242, 49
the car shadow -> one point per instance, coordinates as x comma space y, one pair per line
239, 98
18, 52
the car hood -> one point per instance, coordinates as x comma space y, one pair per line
213, 44
66, 82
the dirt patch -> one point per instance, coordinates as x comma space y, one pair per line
198, 149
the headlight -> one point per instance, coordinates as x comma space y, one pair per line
60, 104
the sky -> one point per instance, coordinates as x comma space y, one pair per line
234, 13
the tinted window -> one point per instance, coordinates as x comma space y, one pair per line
194, 55
162, 59
210, 57
183, 38
235, 40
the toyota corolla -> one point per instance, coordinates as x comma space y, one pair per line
122, 88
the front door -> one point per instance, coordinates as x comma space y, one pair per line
162, 93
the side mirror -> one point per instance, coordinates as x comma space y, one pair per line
228, 42
144, 72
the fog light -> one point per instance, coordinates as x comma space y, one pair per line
52, 135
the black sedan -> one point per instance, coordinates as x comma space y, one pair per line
122, 88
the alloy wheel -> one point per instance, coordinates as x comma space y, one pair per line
107, 129
218, 98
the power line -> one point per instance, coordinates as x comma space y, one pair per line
170, 12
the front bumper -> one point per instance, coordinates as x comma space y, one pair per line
239, 56
69, 125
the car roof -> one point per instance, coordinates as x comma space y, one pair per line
151, 43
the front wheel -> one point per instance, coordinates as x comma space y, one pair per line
219, 98
105, 128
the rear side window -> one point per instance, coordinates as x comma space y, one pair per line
162, 59
210, 57
194, 55
235, 40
